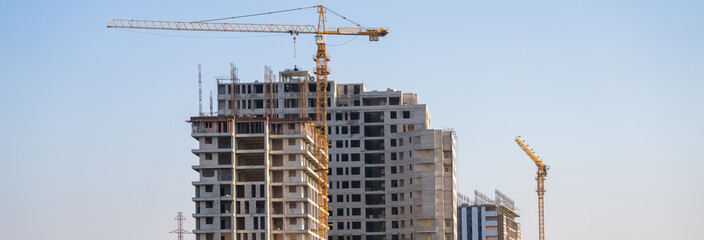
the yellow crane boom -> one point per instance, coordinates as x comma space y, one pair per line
321, 71
540, 178
241, 27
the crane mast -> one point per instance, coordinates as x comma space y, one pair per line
540, 189
321, 78
321, 71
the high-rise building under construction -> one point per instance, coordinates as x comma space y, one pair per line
391, 176
257, 178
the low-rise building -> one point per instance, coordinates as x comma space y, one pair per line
487, 219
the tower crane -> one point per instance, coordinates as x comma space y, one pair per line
321, 71
541, 175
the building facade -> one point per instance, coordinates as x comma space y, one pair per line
257, 179
391, 176
487, 219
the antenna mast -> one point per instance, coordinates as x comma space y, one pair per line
211, 102
233, 88
269, 107
179, 230
200, 94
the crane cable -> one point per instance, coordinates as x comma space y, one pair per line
345, 18
290, 10
256, 14
340, 44
282, 11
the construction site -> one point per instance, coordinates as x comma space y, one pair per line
297, 156
351, 120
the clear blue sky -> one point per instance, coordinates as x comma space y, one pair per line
609, 93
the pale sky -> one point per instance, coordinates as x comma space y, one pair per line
609, 93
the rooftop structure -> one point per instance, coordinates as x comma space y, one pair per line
488, 219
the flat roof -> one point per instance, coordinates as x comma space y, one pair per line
245, 118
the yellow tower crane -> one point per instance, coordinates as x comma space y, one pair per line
542, 174
321, 71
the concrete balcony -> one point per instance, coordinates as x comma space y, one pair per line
296, 179
199, 167
299, 212
211, 150
426, 143
422, 227
376, 216
208, 228
245, 151
241, 135
295, 195
423, 159
299, 226
301, 130
207, 213
206, 196
447, 161
417, 200
209, 133
250, 167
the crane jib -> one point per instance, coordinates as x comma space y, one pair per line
241, 27
540, 188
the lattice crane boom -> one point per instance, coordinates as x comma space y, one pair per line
540, 189
321, 71
243, 27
